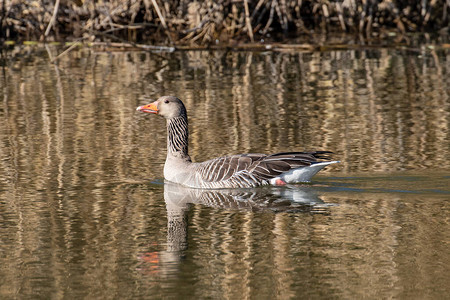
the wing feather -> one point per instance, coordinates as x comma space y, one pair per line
224, 168
274, 165
249, 168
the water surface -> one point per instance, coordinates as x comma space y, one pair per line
85, 212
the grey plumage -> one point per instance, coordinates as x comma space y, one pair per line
235, 171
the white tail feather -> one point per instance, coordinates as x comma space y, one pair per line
303, 174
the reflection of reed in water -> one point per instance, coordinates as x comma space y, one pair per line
74, 127
65, 134
377, 110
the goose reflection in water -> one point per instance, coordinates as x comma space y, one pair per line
276, 199
179, 199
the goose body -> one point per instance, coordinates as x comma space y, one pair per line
235, 171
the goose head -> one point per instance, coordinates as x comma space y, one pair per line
168, 107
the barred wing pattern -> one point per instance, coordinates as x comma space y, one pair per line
229, 171
250, 170
274, 165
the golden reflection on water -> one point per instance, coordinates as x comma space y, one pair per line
78, 217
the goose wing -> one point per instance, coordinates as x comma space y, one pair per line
223, 168
256, 165
274, 165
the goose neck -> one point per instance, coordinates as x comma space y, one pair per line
178, 137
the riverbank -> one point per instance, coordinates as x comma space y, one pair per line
199, 25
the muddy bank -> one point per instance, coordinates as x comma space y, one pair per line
224, 22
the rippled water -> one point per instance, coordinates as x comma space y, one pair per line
84, 211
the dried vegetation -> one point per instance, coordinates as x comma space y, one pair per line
223, 22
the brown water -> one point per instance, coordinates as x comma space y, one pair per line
85, 213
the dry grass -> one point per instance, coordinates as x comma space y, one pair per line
211, 22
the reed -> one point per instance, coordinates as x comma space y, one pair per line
223, 22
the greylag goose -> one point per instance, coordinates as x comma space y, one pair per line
235, 171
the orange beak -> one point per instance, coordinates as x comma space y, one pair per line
149, 108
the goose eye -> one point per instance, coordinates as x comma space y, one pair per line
166, 101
